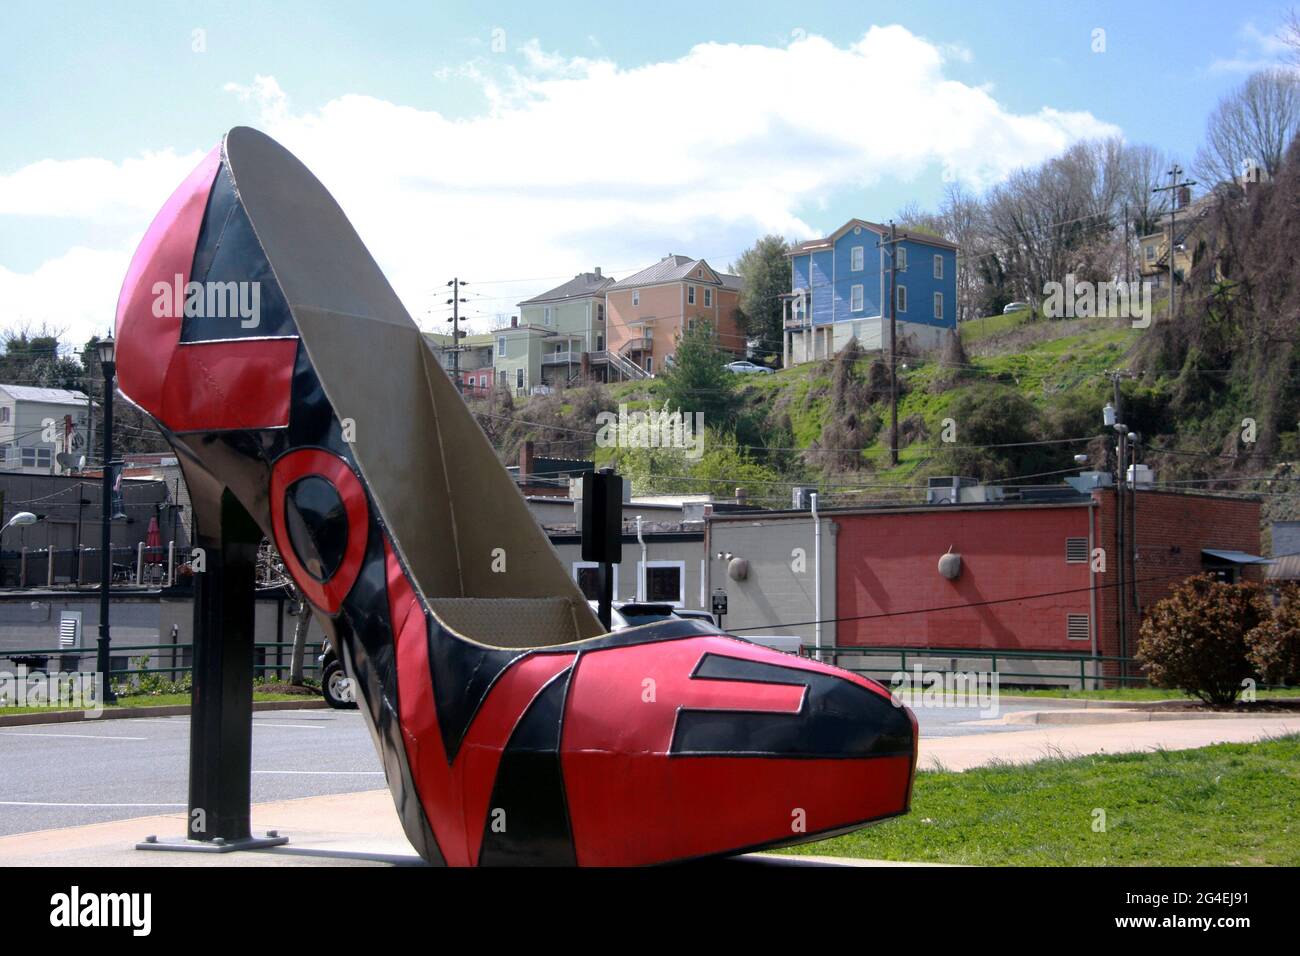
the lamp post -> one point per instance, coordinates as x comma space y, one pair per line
106, 350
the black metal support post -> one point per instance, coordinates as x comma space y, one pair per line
221, 721
102, 656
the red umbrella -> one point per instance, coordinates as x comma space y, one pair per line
153, 542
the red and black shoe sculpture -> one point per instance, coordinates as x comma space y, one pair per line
512, 731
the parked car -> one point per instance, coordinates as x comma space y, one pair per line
635, 613
1014, 307
335, 684
747, 367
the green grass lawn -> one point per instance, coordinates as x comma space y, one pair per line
1227, 805
152, 700
1136, 694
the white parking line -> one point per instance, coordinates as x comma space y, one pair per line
31, 803
326, 773
267, 723
18, 733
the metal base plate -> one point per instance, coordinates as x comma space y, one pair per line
218, 845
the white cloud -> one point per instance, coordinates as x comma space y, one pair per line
1258, 50
577, 162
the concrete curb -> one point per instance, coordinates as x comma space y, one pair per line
309, 702
1114, 716
1078, 703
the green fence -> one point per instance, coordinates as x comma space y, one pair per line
1097, 670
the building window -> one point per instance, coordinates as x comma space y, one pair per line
600, 343
690, 295
546, 315
1076, 627
482, 381
856, 259
600, 312
501, 346
664, 581
586, 574
938, 267
1151, 252
901, 305
855, 298
37, 457
649, 363
4, 415
901, 256
636, 296
708, 297
938, 305
1076, 550
519, 378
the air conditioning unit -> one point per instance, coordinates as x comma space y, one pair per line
1141, 476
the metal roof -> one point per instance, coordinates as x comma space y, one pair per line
1235, 557
674, 268
48, 396
583, 284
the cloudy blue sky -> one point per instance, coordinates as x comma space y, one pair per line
516, 145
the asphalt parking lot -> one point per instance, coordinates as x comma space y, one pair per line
61, 775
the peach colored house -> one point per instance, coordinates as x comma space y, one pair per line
647, 312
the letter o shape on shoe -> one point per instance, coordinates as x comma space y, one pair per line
324, 586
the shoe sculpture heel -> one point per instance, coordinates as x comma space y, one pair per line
512, 731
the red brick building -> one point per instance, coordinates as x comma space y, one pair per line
1027, 580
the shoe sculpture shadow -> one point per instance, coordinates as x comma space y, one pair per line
511, 729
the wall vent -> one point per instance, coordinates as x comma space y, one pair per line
1076, 550
1076, 627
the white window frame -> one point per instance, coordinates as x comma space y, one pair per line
938, 267
600, 342
650, 364
501, 346
519, 378
938, 305
857, 259
4, 415
690, 295
708, 298
636, 296
857, 298
546, 315
644, 590
900, 297
900, 257
580, 565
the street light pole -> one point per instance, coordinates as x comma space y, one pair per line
103, 661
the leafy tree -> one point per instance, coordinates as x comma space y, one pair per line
1274, 646
697, 380
994, 415
722, 468
1195, 639
766, 272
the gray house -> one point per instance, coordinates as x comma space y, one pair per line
36, 424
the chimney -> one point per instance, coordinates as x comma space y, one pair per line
742, 496
525, 461
514, 321
597, 272
1184, 196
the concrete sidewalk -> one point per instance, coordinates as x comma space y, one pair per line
362, 829
964, 753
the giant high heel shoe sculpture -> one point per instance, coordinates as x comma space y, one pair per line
511, 729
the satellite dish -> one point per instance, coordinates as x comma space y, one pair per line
70, 462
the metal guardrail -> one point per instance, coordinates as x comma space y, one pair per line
135, 564
283, 651
1105, 670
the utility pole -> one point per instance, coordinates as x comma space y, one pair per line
892, 243
1128, 271
455, 302
1174, 185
